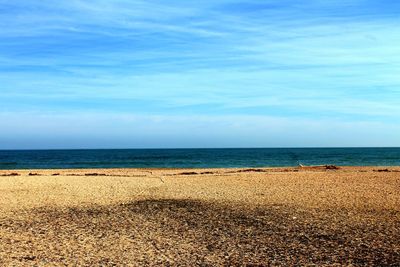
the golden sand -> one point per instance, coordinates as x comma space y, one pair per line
137, 217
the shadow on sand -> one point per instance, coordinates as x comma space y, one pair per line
191, 232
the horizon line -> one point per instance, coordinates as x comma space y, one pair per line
199, 148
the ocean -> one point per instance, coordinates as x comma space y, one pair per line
197, 158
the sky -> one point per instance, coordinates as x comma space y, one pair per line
171, 74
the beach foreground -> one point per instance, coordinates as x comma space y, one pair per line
275, 216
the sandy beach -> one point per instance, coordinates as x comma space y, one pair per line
207, 217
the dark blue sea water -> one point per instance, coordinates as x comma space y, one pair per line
193, 158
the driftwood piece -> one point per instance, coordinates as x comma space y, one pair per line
325, 167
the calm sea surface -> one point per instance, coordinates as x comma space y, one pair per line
202, 158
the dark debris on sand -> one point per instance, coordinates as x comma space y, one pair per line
10, 174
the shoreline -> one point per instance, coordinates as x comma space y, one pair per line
47, 171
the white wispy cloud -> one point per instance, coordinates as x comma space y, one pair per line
116, 130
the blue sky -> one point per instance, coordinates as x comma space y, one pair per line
228, 73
